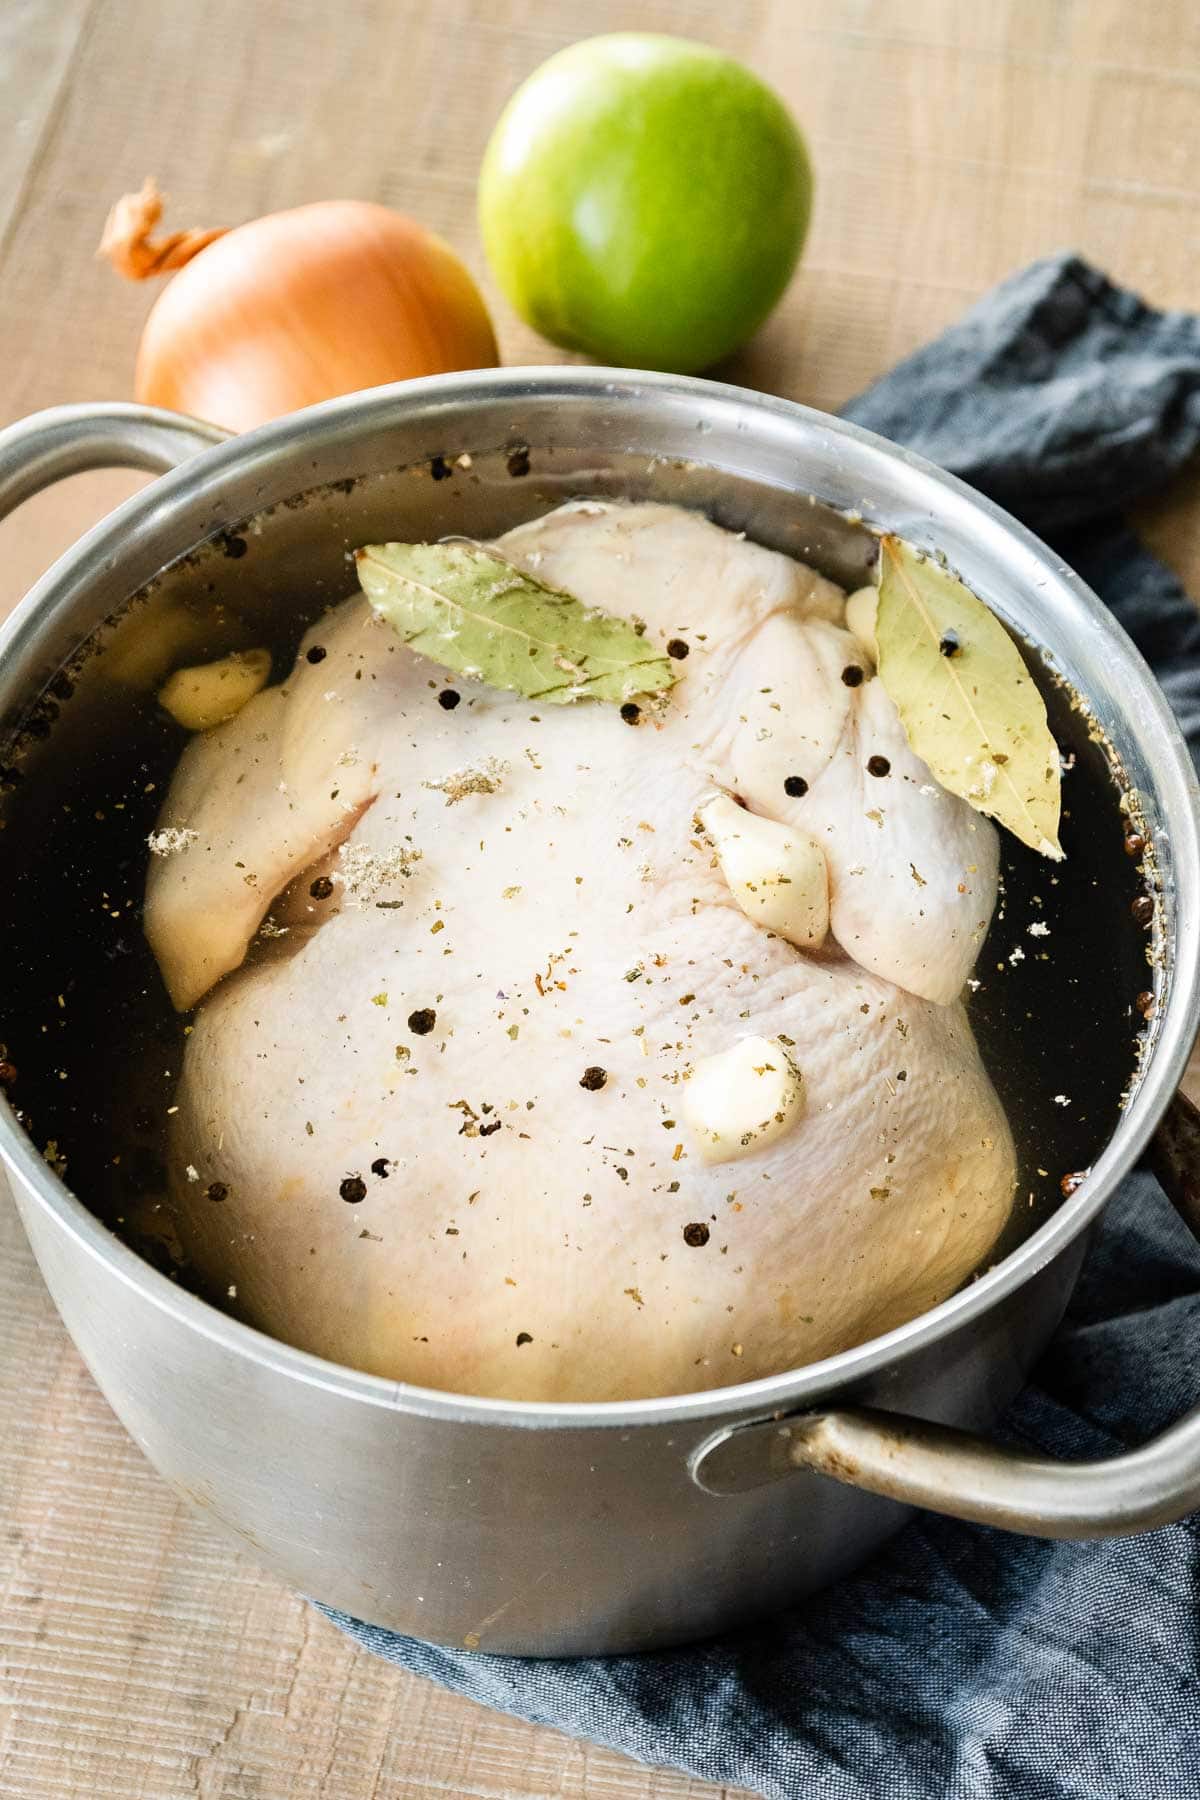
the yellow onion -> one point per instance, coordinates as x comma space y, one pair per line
294, 307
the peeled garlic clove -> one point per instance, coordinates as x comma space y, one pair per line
207, 695
742, 1099
861, 610
777, 875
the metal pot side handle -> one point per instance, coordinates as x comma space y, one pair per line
947, 1471
66, 440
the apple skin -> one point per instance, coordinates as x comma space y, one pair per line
644, 199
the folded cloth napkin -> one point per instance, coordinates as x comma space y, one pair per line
963, 1663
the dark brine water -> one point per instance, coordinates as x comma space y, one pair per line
91, 1047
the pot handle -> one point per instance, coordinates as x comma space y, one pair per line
1174, 1157
947, 1471
66, 440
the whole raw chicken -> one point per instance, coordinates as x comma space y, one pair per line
467, 966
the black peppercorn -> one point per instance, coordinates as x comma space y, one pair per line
677, 648
440, 469
381, 1167
316, 653
321, 888
517, 461
878, 765
353, 1189
1142, 909
796, 786
852, 675
696, 1236
216, 1190
422, 1022
949, 645
631, 712
448, 699
593, 1078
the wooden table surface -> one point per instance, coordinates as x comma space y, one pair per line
953, 141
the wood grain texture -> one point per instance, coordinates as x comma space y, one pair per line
139, 1656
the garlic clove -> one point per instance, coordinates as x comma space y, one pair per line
206, 695
861, 610
742, 1099
777, 875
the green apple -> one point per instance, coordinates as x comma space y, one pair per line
644, 199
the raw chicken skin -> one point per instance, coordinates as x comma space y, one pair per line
521, 1235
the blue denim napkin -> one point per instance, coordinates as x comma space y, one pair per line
963, 1663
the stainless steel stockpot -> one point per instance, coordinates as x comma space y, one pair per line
567, 1529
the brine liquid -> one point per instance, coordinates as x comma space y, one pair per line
91, 1047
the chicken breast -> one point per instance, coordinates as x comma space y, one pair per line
434, 1124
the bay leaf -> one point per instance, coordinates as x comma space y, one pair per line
480, 616
966, 700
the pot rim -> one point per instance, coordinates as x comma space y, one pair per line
1143, 703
